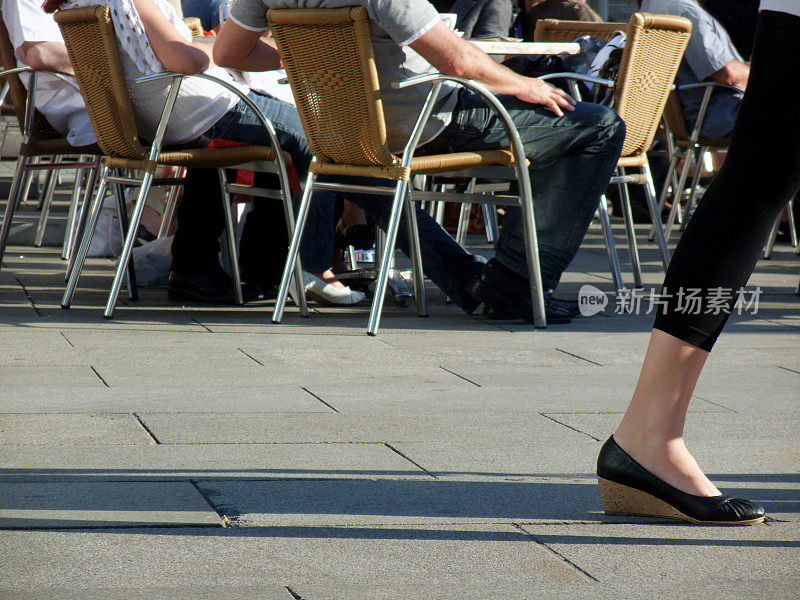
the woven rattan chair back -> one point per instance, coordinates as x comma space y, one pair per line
554, 31
653, 51
329, 61
92, 46
19, 95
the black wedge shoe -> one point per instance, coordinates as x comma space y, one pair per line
627, 488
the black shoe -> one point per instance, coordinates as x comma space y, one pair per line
507, 295
214, 287
627, 488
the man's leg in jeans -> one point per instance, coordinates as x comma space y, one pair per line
572, 159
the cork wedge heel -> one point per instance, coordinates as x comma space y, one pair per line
627, 488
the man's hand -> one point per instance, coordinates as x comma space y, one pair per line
541, 92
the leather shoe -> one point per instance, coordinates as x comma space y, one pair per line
507, 295
627, 488
213, 287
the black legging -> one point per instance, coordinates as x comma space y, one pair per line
726, 235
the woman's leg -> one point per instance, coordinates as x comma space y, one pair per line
719, 249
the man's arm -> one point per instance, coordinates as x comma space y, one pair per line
244, 49
452, 55
734, 73
50, 56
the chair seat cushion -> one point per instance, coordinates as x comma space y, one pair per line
422, 165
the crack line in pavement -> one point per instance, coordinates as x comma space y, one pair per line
715, 404
28, 296
460, 376
294, 594
557, 553
100, 377
66, 338
255, 360
570, 427
377, 339
226, 522
308, 391
413, 462
147, 429
578, 357
200, 324
788, 369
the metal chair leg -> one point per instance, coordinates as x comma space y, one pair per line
490, 220
72, 214
169, 207
463, 217
683, 217
388, 252
230, 234
792, 226
46, 203
633, 247
677, 195
14, 197
416, 256
82, 217
124, 227
655, 215
294, 250
772, 237
127, 246
611, 249
86, 240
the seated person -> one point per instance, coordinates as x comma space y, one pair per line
479, 18
38, 44
739, 18
710, 56
153, 39
565, 10
573, 148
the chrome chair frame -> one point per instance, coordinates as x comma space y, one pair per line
404, 199
277, 166
26, 165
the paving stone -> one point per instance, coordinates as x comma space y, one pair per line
171, 395
634, 554
103, 504
70, 430
209, 462
290, 503
352, 558
231, 428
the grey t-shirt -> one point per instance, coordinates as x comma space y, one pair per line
394, 26
709, 49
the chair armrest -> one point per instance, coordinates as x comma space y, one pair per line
30, 109
709, 86
488, 97
573, 78
178, 78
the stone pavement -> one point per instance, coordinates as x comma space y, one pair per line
202, 452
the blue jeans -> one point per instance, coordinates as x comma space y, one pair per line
240, 124
205, 10
572, 159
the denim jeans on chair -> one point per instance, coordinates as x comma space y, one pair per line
572, 159
240, 124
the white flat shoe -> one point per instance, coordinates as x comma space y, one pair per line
320, 291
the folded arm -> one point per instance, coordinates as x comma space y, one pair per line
734, 73
47, 56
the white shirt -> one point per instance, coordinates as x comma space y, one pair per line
60, 103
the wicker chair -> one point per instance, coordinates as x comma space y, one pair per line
329, 61
42, 147
91, 42
653, 50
